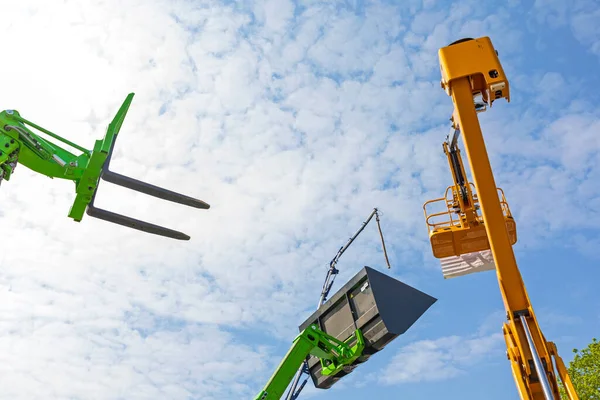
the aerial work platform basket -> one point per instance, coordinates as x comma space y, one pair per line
449, 233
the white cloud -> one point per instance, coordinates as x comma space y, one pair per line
440, 359
585, 28
264, 123
43, 357
275, 15
558, 158
553, 318
581, 17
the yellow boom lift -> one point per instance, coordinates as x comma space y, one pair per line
477, 230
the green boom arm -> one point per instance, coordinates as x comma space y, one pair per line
333, 354
19, 143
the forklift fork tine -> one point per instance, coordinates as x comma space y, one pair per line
121, 180
134, 223
147, 188
152, 190
124, 220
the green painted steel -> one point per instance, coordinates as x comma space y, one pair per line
19, 143
22, 144
333, 354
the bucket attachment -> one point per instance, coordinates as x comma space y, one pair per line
380, 306
98, 168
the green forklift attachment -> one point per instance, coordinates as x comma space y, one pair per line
381, 307
86, 170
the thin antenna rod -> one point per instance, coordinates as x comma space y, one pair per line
387, 260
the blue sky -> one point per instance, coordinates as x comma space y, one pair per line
293, 120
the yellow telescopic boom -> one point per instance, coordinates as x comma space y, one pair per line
473, 77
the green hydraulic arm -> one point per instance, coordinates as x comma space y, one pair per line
20, 144
333, 354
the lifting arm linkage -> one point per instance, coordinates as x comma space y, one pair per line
463, 196
471, 67
333, 354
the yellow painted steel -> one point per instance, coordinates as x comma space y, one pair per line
562, 371
453, 236
471, 68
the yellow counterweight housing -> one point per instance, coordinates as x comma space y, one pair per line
478, 60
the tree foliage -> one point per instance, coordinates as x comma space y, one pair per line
584, 371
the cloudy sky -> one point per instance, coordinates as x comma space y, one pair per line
293, 120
